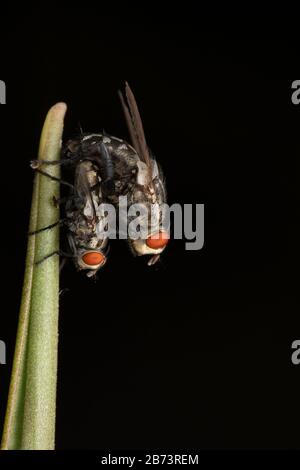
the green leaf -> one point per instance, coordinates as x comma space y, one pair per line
31, 408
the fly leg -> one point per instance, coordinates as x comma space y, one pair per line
53, 178
57, 252
57, 202
63, 200
59, 222
62, 265
108, 182
63, 161
153, 260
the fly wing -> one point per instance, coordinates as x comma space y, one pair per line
83, 188
135, 127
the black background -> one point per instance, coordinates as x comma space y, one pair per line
196, 353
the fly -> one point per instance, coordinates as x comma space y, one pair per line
149, 188
84, 220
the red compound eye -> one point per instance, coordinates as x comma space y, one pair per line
158, 240
93, 258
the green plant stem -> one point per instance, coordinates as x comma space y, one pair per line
30, 416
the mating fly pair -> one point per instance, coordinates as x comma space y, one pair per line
105, 168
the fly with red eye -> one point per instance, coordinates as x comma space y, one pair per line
149, 188
158, 240
83, 218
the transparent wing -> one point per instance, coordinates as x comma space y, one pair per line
83, 188
135, 127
